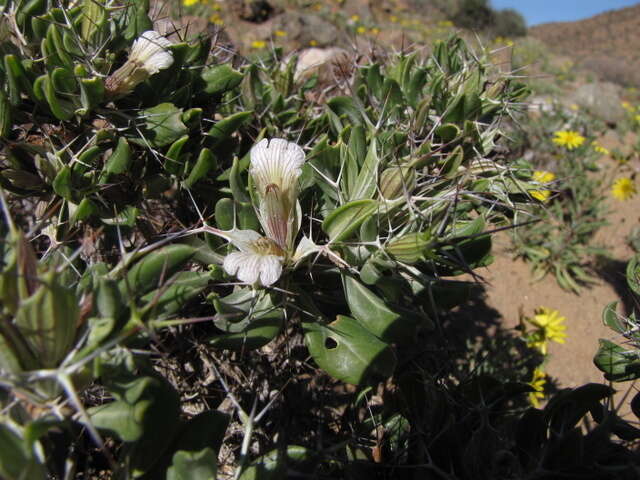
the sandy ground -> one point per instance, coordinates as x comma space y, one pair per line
510, 291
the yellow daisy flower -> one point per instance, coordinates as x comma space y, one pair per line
361, 30
537, 383
568, 139
599, 148
188, 3
313, 43
548, 327
258, 44
374, 31
280, 33
393, 19
355, 18
542, 176
623, 189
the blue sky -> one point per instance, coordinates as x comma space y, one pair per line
542, 11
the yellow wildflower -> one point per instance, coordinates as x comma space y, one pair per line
568, 139
537, 383
599, 148
313, 43
574, 107
216, 7
258, 44
393, 19
623, 189
637, 118
188, 3
355, 18
548, 327
374, 31
361, 30
627, 106
542, 176
216, 19
280, 33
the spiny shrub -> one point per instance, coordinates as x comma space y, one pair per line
184, 200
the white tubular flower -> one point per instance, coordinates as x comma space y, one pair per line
149, 54
276, 165
258, 261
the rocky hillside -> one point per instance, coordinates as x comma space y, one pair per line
607, 43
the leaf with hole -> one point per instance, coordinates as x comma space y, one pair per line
349, 352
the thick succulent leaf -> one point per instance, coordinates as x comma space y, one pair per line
373, 314
618, 364
345, 220
275, 464
163, 125
349, 352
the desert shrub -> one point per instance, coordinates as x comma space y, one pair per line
509, 23
558, 237
201, 262
474, 15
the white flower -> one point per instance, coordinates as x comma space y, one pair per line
149, 54
276, 165
259, 259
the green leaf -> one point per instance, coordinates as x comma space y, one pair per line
48, 320
173, 162
611, 318
348, 352
345, 106
251, 320
618, 364
223, 129
274, 465
62, 183
156, 266
373, 314
365, 184
205, 163
220, 79
119, 161
633, 274
16, 462
147, 412
224, 213
345, 220
200, 465
185, 286
163, 125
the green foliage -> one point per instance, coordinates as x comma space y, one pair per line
622, 363
509, 23
145, 185
559, 239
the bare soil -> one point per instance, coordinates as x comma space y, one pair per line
509, 290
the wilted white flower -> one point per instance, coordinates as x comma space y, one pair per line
259, 259
276, 165
149, 54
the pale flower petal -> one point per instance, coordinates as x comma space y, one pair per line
276, 162
250, 267
150, 51
149, 54
276, 165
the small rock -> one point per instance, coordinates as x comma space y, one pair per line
328, 63
602, 100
